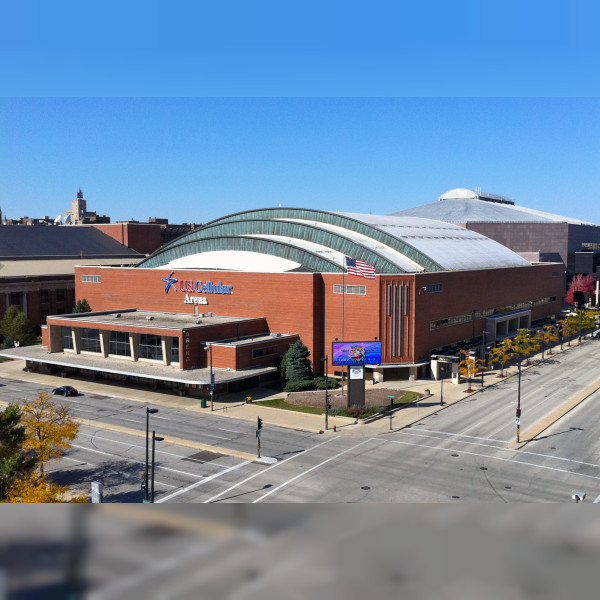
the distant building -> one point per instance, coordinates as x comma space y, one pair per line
536, 235
37, 266
170, 232
79, 215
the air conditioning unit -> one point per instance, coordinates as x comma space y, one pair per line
197, 321
118, 316
149, 318
201, 315
210, 314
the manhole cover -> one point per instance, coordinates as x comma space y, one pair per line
456, 497
507, 487
552, 447
483, 468
455, 455
365, 487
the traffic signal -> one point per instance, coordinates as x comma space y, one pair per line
518, 413
259, 423
328, 406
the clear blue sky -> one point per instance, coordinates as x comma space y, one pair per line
189, 112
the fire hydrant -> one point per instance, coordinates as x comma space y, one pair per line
334, 429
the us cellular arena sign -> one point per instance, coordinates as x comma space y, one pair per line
199, 287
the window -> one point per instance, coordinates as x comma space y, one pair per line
67, 338
175, 350
60, 295
150, 346
266, 351
91, 278
44, 297
90, 340
433, 287
118, 343
350, 289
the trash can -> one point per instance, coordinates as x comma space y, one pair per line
203, 403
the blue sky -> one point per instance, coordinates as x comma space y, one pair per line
190, 112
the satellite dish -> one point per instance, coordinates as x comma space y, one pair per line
58, 220
68, 219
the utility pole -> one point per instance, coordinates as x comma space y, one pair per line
149, 411
327, 405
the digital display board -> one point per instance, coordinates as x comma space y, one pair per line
356, 353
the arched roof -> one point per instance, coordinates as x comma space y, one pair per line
297, 239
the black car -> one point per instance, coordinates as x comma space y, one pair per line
65, 390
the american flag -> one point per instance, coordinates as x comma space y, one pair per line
360, 268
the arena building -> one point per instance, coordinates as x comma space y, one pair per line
247, 285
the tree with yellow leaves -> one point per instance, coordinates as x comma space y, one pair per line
469, 366
546, 336
35, 489
49, 428
501, 354
568, 328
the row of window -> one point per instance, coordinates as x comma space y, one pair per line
59, 296
350, 289
150, 345
91, 278
479, 314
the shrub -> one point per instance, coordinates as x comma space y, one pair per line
300, 386
319, 383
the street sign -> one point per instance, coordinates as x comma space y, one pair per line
258, 433
518, 420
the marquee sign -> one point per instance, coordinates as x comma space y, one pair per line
198, 286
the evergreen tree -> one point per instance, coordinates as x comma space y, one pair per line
14, 462
82, 306
15, 327
298, 363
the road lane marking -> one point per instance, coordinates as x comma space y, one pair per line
311, 469
597, 500
269, 468
141, 462
202, 482
132, 445
475, 437
512, 460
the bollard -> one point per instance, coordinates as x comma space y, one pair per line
334, 429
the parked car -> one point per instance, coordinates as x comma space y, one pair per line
597, 336
65, 390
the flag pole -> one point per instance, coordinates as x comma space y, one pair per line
343, 312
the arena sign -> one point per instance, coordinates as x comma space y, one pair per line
198, 286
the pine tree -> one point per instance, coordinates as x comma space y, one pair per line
14, 462
82, 306
298, 363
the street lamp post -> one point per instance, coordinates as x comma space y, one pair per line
441, 387
326, 361
212, 381
391, 409
518, 417
149, 411
155, 439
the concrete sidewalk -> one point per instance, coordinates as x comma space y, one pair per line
234, 405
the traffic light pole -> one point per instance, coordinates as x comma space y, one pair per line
258, 432
518, 417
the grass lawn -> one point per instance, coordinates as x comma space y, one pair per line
4, 359
406, 398
281, 403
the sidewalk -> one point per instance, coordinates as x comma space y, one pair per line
235, 406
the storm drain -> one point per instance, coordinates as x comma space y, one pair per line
483, 468
204, 456
365, 487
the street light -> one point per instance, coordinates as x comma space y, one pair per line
155, 438
326, 361
149, 411
212, 381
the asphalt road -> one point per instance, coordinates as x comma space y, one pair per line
461, 453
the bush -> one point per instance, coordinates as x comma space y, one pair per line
300, 386
319, 383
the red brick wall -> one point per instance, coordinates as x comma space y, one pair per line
286, 300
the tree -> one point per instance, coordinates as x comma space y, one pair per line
546, 336
501, 354
82, 306
49, 428
298, 363
14, 462
580, 283
15, 327
524, 344
34, 489
469, 367
568, 328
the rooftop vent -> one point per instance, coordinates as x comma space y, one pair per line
210, 314
149, 318
118, 316
197, 321
201, 315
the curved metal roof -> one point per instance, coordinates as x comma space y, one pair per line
317, 241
